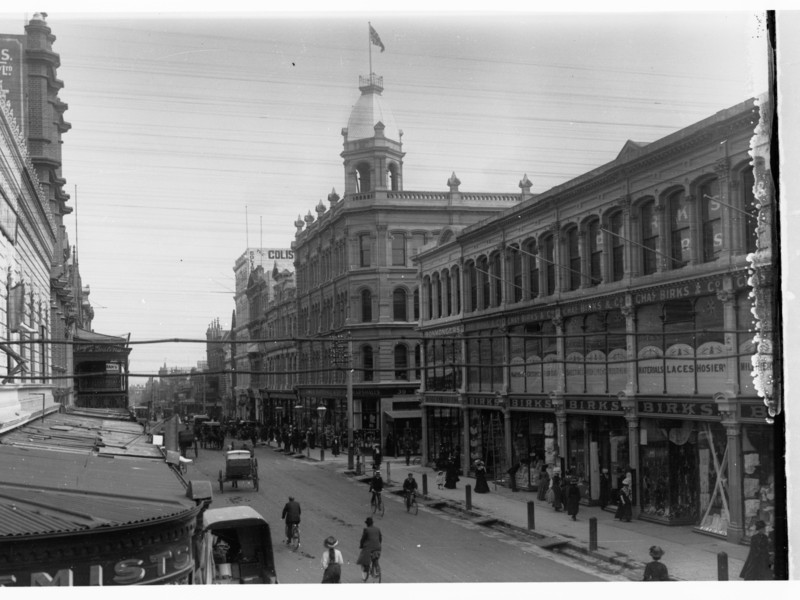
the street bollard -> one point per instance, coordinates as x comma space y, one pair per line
388, 472
322, 454
469, 497
722, 566
425, 485
358, 465
593, 533
531, 520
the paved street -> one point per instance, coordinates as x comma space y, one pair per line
431, 547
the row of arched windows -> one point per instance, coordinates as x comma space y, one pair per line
651, 235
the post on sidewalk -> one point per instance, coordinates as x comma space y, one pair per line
358, 465
388, 472
425, 485
469, 497
722, 566
593, 533
531, 518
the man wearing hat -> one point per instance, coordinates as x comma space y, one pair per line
624, 508
332, 562
371, 540
757, 565
656, 570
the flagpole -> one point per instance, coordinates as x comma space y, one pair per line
369, 47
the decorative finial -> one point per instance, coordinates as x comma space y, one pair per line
333, 197
453, 182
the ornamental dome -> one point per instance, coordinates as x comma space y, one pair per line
369, 110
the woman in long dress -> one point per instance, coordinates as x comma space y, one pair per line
481, 486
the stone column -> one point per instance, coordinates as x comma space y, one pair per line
631, 416
424, 441
557, 400
507, 440
734, 474
464, 438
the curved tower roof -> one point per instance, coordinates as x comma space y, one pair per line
369, 110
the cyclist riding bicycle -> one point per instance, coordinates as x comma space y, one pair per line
409, 487
370, 545
376, 486
291, 514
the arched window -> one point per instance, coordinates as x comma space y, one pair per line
366, 306
399, 304
447, 291
750, 219
496, 279
515, 262
367, 363
416, 304
680, 238
548, 251
649, 232
398, 250
482, 268
437, 290
417, 362
457, 290
574, 258
595, 252
711, 215
428, 298
617, 262
393, 182
472, 281
401, 362
533, 269
362, 178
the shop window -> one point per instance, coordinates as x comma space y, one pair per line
712, 467
399, 302
617, 258
444, 434
595, 252
574, 258
680, 237
711, 213
758, 477
669, 471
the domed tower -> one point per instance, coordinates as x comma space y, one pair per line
373, 148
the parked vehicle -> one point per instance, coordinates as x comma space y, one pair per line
234, 546
240, 465
211, 435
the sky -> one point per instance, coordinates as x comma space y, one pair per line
196, 135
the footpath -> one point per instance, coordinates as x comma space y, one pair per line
621, 547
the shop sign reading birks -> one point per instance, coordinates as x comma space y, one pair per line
534, 403
678, 408
593, 405
158, 566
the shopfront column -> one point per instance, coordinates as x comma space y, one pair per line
424, 441
733, 429
465, 449
631, 416
507, 441
557, 400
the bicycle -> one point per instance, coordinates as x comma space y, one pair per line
411, 502
377, 503
294, 541
374, 571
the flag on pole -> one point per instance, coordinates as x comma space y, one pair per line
375, 38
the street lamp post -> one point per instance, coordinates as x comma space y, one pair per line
321, 410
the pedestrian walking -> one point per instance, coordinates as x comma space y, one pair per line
332, 561
451, 473
573, 498
555, 485
757, 565
544, 483
605, 488
481, 486
440, 479
512, 477
655, 570
624, 506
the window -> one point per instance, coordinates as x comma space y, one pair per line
447, 310
617, 247
398, 250
399, 304
367, 363
496, 280
751, 218
366, 306
417, 361
680, 238
595, 252
437, 289
457, 291
533, 270
712, 220
472, 280
416, 304
362, 178
550, 267
401, 362
393, 179
516, 273
365, 251
649, 224
573, 252
428, 298
482, 269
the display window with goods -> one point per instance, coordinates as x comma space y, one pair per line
444, 433
758, 477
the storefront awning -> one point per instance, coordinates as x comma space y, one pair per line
403, 414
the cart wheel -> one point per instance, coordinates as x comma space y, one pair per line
221, 490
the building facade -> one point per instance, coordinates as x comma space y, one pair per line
607, 324
357, 291
280, 356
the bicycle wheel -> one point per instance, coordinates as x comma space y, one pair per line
295, 543
381, 507
414, 506
374, 504
375, 571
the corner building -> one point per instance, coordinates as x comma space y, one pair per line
606, 324
357, 294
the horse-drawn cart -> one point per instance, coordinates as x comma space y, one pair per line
240, 465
